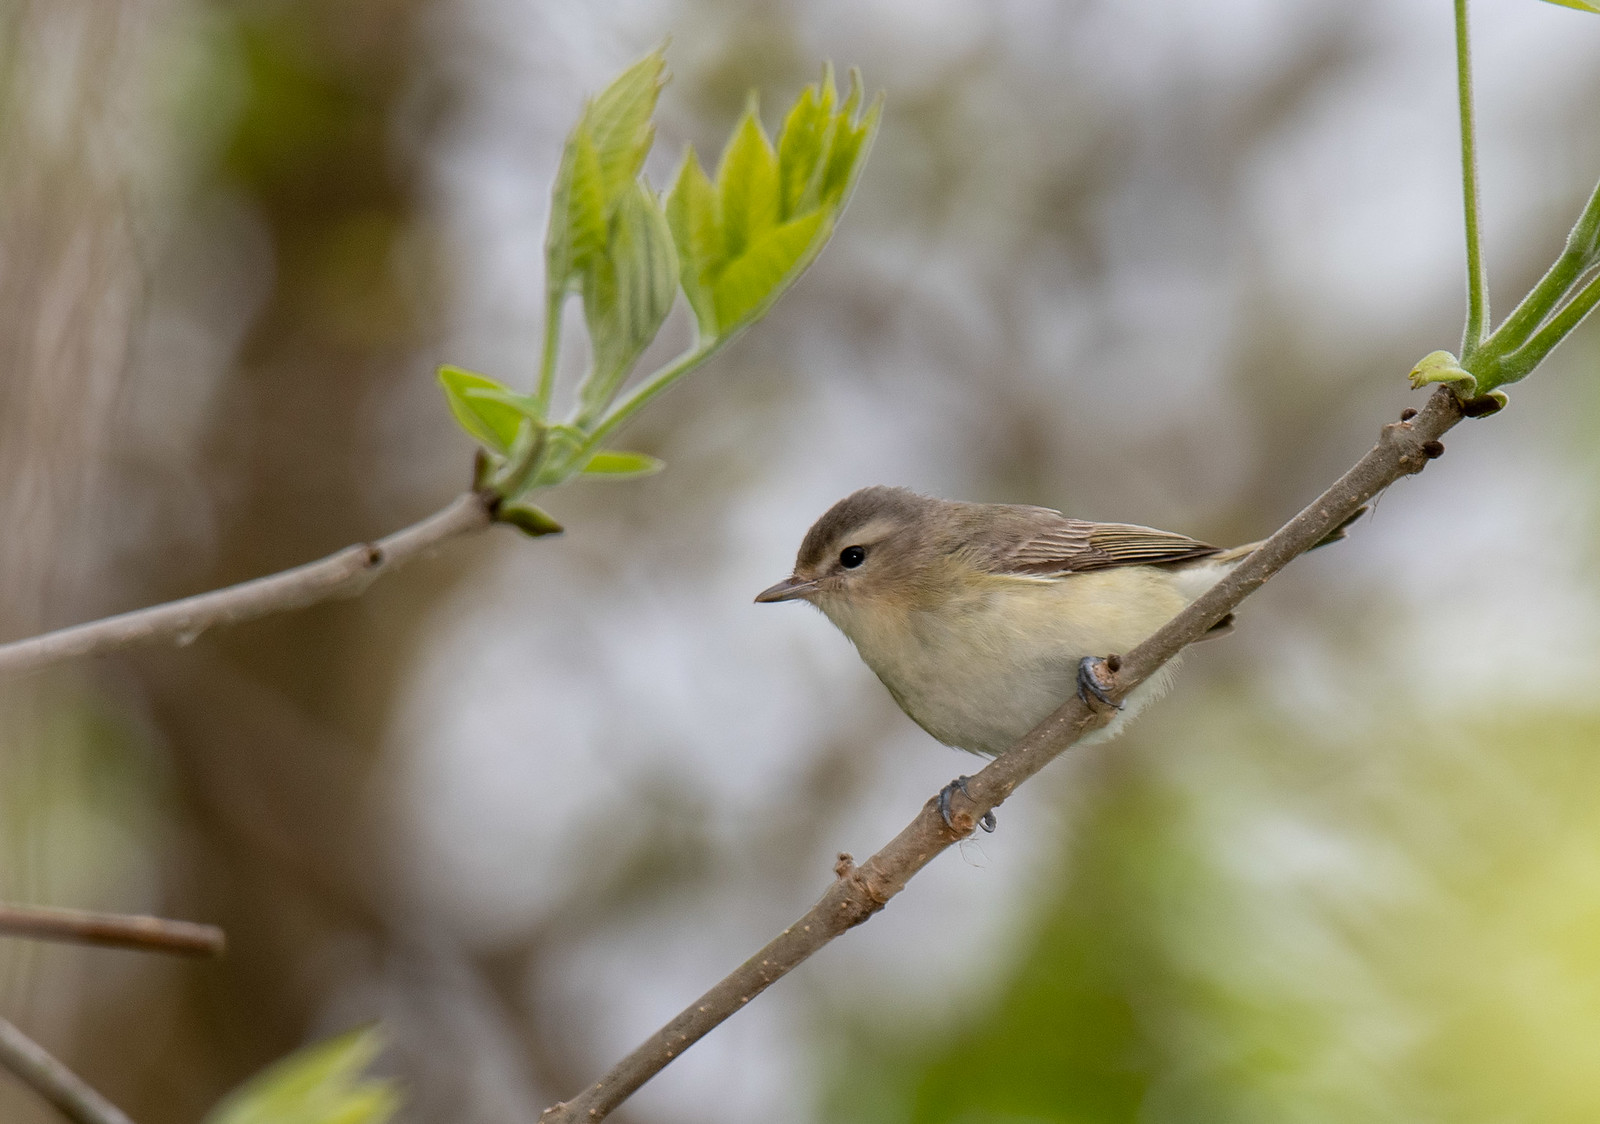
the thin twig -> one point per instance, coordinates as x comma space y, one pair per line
117, 930
860, 891
53, 1081
344, 574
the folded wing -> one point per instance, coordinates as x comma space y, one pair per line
1047, 543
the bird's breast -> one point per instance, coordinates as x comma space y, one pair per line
982, 668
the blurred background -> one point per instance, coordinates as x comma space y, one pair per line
1163, 263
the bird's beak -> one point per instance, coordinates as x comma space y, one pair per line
789, 589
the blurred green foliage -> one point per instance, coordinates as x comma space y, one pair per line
1399, 925
79, 819
321, 1084
298, 114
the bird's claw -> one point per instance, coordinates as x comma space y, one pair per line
985, 821
1089, 681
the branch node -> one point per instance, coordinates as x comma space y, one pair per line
374, 555
845, 865
1482, 406
1433, 449
1407, 414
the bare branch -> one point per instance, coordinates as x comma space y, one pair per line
37, 1069
1403, 448
344, 574
117, 930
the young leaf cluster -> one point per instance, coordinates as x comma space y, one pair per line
733, 246
1563, 298
743, 238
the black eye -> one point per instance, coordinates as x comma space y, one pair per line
852, 556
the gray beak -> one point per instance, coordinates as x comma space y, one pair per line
789, 589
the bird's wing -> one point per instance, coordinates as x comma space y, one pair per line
1053, 544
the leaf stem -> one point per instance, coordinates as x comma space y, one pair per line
527, 457
552, 351
1477, 283
1530, 333
1544, 341
1585, 236
1533, 310
642, 394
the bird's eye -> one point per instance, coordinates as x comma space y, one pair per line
852, 556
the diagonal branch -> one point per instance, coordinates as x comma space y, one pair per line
344, 574
116, 930
859, 892
36, 1068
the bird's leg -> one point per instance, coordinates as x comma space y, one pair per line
986, 821
1092, 680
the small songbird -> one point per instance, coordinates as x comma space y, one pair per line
982, 618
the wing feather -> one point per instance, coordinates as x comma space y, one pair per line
1048, 543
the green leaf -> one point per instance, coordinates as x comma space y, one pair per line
1580, 5
697, 233
321, 1084
749, 285
603, 156
807, 132
491, 413
619, 121
627, 293
851, 142
530, 520
619, 465
747, 185
777, 209
578, 206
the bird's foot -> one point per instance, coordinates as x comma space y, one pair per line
1094, 678
985, 821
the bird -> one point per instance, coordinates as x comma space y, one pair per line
981, 619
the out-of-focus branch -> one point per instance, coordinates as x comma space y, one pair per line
118, 930
344, 574
36, 1068
859, 892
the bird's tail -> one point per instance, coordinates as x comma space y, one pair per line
1240, 552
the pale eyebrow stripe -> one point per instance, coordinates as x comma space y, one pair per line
873, 531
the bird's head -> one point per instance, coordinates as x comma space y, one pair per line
877, 550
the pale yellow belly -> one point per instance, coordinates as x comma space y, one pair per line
981, 674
